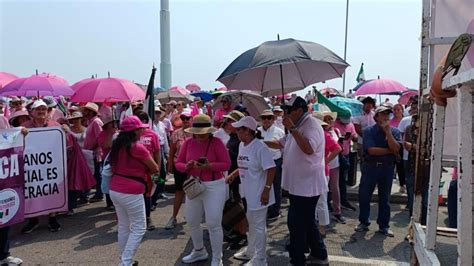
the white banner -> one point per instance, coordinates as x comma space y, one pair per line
45, 171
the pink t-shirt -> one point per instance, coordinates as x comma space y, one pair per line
343, 128
150, 140
49, 123
4, 122
92, 134
219, 115
217, 155
394, 122
130, 164
330, 145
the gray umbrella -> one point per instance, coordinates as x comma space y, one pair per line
281, 66
251, 100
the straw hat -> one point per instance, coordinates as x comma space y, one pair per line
75, 115
320, 116
234, 115
92, 106
201, 125
108, 119
267, 112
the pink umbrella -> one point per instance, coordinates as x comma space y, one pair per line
50, 75
107, 90
380, 86
80, 83
193, 87
37, 85
180, 90
405, 97
6, 78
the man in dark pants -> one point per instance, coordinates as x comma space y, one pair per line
5, 258
382, 144
304, 178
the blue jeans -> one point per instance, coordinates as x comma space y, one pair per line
4, 243
382, 177
98, 179
410, 184
274, 210
453, 204
304, 229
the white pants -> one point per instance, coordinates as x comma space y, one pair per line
130, 209
257, 236
322, 211
211, 203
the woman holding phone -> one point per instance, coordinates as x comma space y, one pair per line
206, 158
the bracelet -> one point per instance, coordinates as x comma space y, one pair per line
267, 186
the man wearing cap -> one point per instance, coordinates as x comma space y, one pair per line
94, 127
39, 118
381, 146
349, 134
304, 178
364, 121
226, 102
278, 112
270, 131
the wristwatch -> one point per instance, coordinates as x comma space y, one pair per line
267, 186
293, 128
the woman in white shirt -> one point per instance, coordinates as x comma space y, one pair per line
256, 171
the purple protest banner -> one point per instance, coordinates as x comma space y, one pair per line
45, 171
12, 203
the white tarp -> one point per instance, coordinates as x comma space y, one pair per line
450, 19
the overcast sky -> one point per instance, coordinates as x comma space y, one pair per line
75, 39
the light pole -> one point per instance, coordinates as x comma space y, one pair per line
165, 65
345, 48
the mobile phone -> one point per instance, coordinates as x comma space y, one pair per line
202, 160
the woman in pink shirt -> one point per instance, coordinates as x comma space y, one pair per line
397, 115
130, 162
205, 157
109, 131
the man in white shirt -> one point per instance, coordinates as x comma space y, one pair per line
270, 132
304, 178
364, 121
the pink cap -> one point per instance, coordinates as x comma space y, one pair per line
132, 123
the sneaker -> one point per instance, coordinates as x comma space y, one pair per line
273, 217
310, 260
10, 260
386, 232
70, 213
195, 256
149, 224
216, 262
110, 208
32, 224
96, 199
53, 224
402, 190
153, 207
362, 227
242, 255
171, 223
340, 219
348, 206
84, 201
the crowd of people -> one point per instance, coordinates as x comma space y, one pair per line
290, 150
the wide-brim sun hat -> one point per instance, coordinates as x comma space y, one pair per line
92, 106
201, 125
17, 114
267, 112
248, 122
319, 115
132, 123
108, 119
234, 115
75, 115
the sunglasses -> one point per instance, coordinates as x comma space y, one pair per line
267, 117
185, 118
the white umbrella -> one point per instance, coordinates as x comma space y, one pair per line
252, 101
167, 96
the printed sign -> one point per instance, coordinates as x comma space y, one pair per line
12, 203
45, 171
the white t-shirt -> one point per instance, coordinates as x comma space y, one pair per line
254, 160
334, 163
160, 130
221, 134
273, 133
365, 121
404, 123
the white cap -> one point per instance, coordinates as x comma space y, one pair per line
247, 121
38, 103
187, 112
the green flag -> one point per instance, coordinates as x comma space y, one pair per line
361, 76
